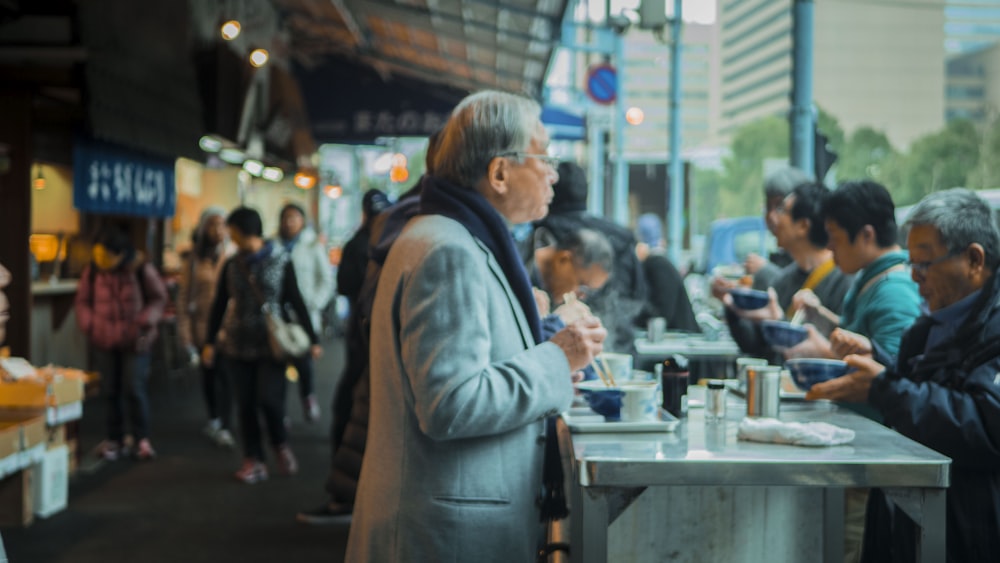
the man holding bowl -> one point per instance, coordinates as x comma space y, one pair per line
943, 390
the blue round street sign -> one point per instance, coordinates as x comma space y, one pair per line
602, 83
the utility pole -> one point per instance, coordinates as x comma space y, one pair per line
675, 209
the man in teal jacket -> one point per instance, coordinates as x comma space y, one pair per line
882, 301
881, 304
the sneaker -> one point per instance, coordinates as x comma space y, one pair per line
144, 450
329, 513
287, 464
252, 472
310, 407
212, 428
108, 450
224, 438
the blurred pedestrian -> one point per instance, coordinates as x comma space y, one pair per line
351, 402
119, 302
261, 271
315, 278
196, 290
354, 259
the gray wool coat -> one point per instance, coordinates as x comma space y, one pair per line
459, 394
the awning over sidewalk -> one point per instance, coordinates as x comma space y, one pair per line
563, 124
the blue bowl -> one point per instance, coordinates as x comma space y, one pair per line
749, 299
807, 372
603, 400
782, 334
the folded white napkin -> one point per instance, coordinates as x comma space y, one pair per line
795, 433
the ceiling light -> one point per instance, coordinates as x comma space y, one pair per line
333, 191
259, 57
39, 182
209, 143
230, 30
232, 156
254, 167
305, 180
273, 173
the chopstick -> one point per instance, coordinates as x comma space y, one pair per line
605, 374
798, 316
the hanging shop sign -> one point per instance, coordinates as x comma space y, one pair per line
112, 180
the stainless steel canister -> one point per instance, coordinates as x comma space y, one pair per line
763, 382
770, 394
741, 369
656, 329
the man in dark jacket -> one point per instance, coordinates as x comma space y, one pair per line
944, 389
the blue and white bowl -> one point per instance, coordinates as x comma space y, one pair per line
783, 334
807, 372
749, 299
633, 401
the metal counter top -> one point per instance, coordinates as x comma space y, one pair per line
697, 454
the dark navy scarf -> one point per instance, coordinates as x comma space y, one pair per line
468, 207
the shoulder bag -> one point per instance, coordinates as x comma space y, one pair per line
287, 339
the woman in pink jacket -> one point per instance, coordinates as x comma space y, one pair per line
119, 302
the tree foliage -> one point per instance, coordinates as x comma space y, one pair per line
960, 154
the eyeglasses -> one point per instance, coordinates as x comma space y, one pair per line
550, 161
922, 267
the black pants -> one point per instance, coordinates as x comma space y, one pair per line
304, 366
260, 390
218, 392
124, 374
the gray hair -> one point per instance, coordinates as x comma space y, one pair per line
483, 126
782, 182
961, 218
589, 247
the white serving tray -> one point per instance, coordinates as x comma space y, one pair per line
584, 420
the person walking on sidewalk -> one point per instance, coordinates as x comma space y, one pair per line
199, 276
119, 301
260, 271
315, 277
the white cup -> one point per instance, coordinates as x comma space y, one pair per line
639, 401
620, 365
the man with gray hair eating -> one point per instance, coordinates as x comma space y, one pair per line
944, 389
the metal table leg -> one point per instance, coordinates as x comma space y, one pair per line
833, 525
589, 525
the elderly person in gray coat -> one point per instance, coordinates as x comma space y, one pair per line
461, 381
